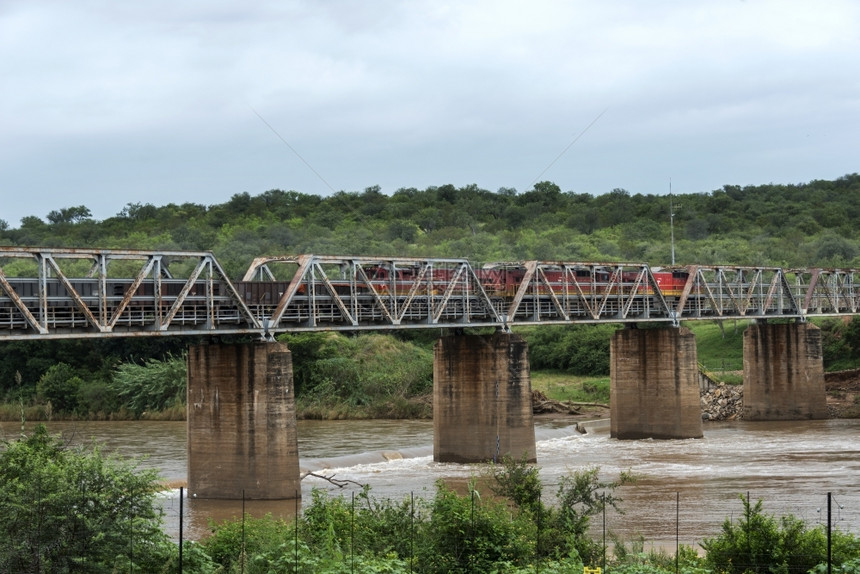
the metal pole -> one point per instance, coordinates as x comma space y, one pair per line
181, 496
677, 532
603, 499
411, 530
537, 542
242, 557
829, 561
472, 532
671, 221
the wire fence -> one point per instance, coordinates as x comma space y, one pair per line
676, 524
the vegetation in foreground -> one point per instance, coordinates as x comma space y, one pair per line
74, 510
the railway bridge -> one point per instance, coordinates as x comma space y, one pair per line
241, 415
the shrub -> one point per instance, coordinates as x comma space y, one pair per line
59, 386
155, 385
762, 544
67, 510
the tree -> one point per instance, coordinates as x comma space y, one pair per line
70, 214
59, 386
65, 509
155, 385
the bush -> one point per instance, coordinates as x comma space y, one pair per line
67, 510
577, 349
154, 386
472, 534
96, 399
59, 386
335, 373
760, 543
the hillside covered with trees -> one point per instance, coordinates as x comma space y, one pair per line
811, 224
788, 225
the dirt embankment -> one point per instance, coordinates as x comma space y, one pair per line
843, 393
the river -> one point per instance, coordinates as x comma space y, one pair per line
685, 488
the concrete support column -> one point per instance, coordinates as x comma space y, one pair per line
654, 388
242, 422
783, 372
482, 403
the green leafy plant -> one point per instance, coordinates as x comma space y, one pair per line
758, 542
155, 385
64, 509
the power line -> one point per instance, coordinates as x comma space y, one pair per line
292, 149
576, 139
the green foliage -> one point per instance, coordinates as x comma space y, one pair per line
793, 225
577, 349
472, 534
75, 510
375, 371
519, 481
513, 532
233, 541
155, 385
563, 526
581, 496
59, 386
761, 543
840, 342
97, 398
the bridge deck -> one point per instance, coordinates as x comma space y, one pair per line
77, 293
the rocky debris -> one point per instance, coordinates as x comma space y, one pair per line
723, 403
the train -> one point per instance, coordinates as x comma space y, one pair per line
364, 284
497, 280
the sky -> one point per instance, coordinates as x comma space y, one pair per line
107, 103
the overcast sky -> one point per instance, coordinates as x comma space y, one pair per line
106, 103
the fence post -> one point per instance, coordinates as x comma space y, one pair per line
829, 561
181, 496
296, 534
677, 532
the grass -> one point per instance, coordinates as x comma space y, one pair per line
719, 350
562, 386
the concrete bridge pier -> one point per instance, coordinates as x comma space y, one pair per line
242, 438
482, 404
783, 372
654, 388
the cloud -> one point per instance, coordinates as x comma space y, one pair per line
155, 101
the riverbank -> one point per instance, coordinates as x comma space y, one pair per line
554, 395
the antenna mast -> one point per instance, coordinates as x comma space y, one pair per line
671, 222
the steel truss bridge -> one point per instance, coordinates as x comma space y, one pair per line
78, 293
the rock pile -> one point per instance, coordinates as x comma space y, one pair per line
723, 403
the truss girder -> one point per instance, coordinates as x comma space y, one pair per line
737, 292
828, 291
565, 292
327, 292
141, 298
74, 293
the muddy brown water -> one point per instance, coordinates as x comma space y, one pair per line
685, 488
